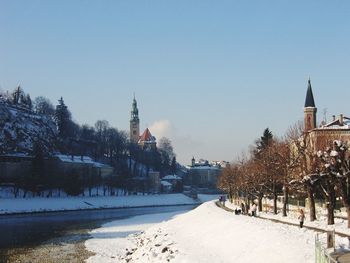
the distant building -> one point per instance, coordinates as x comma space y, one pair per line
15, 165
175, 181
337, 129
166, 187
83, 165
146, 141
202, 174
154, 181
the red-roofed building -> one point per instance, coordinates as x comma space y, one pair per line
147, 141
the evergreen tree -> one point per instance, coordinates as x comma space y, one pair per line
173, 165
263, 142
63, 119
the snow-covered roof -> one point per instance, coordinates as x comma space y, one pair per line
172, 177
74, 159
18, 155
165, 183
80, 159
336, 124
206, 167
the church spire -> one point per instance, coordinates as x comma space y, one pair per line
309, 110
309, 101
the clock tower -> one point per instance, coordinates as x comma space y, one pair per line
134, 123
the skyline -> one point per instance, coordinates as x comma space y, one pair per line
209, 76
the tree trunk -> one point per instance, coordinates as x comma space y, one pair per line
348, 212
247, 206
330, 210
312, 208
260, 206
285, 200
275, 203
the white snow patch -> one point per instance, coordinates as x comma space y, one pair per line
206, 234
25, 205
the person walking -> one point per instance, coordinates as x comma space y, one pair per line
243, 208
254, 210
301, 218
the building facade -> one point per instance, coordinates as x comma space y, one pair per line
202, 174
324, 134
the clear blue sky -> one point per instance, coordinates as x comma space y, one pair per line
211, 75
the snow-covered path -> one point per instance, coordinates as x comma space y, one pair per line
205, 234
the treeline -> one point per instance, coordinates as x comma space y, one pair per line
102, 142
292, 165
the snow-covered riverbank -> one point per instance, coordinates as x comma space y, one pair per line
205, 234
30, 205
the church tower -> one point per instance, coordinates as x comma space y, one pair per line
134, 123
309, 110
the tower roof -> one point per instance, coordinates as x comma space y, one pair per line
134, 110
309, 101
147, 136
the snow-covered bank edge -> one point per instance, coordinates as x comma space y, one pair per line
48, 205
205, 234
93, 209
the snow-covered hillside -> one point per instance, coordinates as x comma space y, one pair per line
20, 127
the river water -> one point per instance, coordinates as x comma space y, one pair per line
24, 238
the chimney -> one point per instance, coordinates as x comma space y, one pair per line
333, 117
341, 120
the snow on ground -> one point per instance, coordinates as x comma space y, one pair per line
110, 241
340, 225
205, 234
25, 205
205, 198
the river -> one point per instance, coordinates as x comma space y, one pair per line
60, 235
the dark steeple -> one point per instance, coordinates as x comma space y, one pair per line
309, 101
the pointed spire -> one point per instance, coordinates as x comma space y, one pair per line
309, 101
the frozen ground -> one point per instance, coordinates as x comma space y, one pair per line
205, 234
340, 225
40, 204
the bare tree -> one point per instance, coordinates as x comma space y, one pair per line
302, 173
